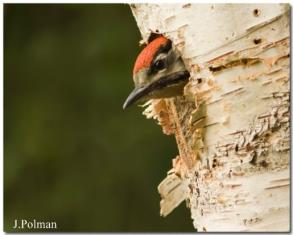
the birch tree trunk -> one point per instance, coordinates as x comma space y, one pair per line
232, 125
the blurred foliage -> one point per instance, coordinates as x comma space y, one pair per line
71, 154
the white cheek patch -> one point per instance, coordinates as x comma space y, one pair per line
163, 71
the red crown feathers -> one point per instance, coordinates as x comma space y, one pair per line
146, 56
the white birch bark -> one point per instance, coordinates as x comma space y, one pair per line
233, 124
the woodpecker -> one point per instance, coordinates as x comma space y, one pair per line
159, 72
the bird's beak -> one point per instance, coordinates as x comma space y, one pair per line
135, 95
143, 91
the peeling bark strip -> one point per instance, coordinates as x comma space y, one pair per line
233, 124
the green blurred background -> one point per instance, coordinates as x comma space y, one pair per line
71, 154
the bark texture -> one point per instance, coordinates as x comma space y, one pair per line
232, 125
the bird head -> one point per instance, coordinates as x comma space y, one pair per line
158, 72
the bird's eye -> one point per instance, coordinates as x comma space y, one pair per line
159, 65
